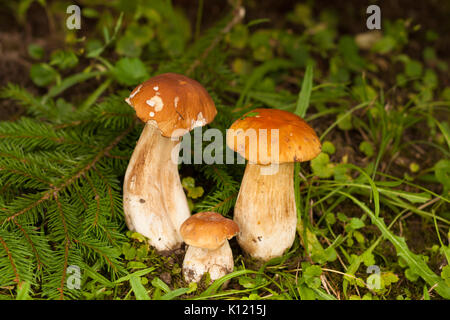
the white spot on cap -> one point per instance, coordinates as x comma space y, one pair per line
135, 92
175, 101
156, 88
200, 122
127, 100
152, 114
156, 102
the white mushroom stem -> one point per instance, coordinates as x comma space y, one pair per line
155, 204
199, 261
265, 211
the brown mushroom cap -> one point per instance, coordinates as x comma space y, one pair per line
297, 140
175, 103
208, 230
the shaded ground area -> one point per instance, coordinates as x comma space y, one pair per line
38, 28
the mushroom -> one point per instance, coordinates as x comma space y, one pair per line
154, 202
207, 235
265, 208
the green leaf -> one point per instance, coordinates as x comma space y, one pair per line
306, 293
384, 45
340, 173
142, 34
389, 278
35, 51
130, 71
442, 172
321, 166
368, 258
323, 295
71, 81
344, 121
445, 274
419, 197
137, 236
411, 275
305, 92
139, 273
413, 68
219, 282
426, 295
188, 183
312, 271
139, 290
356, 223
175, 293
23, 291
158, 283
195, 193
127, 46
63, 59
311, 275
98, 277
238, 37
366, 148
136, 265
328, 147
42, 74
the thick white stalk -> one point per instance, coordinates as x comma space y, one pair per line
265, 211
155, 204
198, 261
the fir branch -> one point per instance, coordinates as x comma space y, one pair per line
109, 188
58, 207
25, 99
13, 265
220, 201
66, 245
75, 177
222, 198
31, 243
97, 200
107, 256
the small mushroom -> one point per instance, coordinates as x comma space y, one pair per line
207, 235
265, 208
153, 198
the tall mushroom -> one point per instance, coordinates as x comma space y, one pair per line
207, 235
265, 208
153, 198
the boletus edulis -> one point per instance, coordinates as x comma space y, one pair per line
272, 141
154, 201
207, 235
